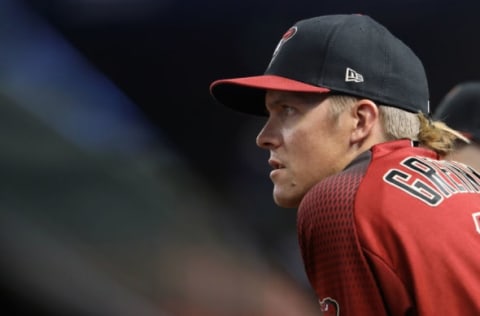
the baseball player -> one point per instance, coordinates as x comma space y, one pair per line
460, 109
385, 227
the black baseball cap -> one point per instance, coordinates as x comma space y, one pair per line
344, 53
460, 109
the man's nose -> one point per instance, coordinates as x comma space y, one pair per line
268, 138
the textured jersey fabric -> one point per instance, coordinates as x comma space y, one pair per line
396, 233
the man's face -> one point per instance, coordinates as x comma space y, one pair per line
306, 143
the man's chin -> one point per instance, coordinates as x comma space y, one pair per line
286, 201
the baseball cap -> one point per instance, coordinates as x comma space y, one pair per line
460, 109
342, 53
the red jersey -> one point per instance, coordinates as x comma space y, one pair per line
396, 233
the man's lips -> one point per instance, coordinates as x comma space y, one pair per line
275, 164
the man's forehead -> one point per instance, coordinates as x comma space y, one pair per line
281, 96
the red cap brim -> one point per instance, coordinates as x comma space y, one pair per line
247, 94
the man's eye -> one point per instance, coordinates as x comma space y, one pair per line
287, 110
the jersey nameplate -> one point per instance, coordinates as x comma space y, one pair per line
431, 181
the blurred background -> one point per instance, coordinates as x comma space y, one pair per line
126, 190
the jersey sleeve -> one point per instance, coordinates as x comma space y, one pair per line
333, 258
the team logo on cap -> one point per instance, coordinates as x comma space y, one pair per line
288, 35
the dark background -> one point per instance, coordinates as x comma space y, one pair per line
164, 54
112, 143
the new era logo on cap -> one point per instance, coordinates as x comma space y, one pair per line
352, 75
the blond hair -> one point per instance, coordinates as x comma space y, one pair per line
398, 124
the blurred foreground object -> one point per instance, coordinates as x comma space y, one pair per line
99, 216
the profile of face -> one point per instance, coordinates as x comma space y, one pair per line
306, 143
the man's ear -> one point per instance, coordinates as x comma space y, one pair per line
366, 117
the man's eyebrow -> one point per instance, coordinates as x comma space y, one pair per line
275, 102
